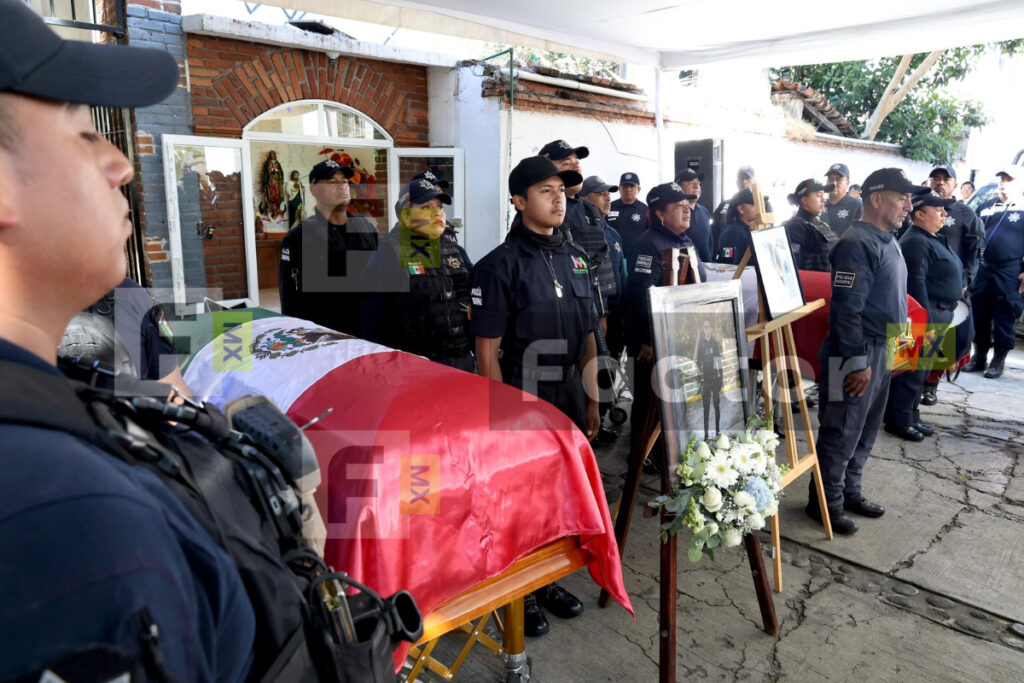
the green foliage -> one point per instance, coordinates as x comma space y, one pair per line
562, 61
929, 123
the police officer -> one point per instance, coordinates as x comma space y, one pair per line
584, 225
700, 220
442, 185
869, 294
419, 283
964, 232
735, 241
966, 190
723, 214
996, 293
670, 220
326, 286
533, 317
841, 209
809, 236
597, 192
97, 552
628, 214
934, 279
854, 191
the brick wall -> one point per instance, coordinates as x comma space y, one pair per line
235, 81
224, 255
157, 24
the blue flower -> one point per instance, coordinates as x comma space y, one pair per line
759, 490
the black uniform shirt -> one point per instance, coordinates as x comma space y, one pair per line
934, 272
735, 242
1004, 234
840, 215
700, 232
630, 220
644, 268
811, 240
965, 234
326, 286
869, 290
514, 297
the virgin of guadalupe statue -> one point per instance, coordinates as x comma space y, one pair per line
272, 180
296, 199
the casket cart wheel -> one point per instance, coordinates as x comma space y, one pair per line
618, 415
520, 674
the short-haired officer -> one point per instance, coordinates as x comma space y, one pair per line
723, 213
700, 220
628, 214
869, 298
533, 317
841, 209
966, 190
809, 236
419, 283
964, 232
101, 560
935, 280
735, 241
854, 191
323, 260
997, 293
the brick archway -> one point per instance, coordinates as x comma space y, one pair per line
234, 82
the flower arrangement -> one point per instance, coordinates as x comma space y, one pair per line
729, 487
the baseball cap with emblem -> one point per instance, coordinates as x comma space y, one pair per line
432, 177
892, 179
667, 193
688, 174
556, 150
422, 191
629, 178
36, 61
808, 186
532, 170
325, 170
943, 168
841, 169
745, 196
595, 184
930, 199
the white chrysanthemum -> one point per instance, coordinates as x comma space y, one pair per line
743, 458
711, 499
760, 461
767, 438
722, 443
720, 471
731, 538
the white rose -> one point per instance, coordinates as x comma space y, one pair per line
731, 538
744, 500
772, 509
703, 452
756, 521
711, 499
712, 529
722, 443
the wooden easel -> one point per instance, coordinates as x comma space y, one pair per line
675, 271
779, 332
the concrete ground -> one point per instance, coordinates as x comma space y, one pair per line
932, 591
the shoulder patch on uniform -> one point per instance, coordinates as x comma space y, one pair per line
454, 262
286, 254
643, 263
579, 265
727, 252
844, 279
478, 296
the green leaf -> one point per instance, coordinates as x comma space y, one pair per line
695, 553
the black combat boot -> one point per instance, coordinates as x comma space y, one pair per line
978, 360
995, 368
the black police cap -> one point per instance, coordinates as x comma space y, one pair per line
532, 170
432, 177
422, 191
808, 186
930, 199
943, 168
556, 150
688, 174
326, 170
892, 179
667, 193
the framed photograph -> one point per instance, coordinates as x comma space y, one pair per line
776, 271
701, 376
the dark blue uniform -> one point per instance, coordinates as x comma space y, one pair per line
735, 242
994, 298
843, 213
630, 220
88, 540
869, 293
614, 338
326, 286
965, 234
540, 301
700, 233
934, 279
811, 240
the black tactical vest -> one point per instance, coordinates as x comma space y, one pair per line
590, 236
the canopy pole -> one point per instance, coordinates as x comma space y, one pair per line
659, 123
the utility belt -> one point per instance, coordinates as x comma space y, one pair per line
943, 306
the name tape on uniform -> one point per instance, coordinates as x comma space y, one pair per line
643, 263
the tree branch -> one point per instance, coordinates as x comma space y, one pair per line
893, 96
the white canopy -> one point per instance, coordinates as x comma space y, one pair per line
674, 35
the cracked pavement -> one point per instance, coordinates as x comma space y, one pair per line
932, 591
